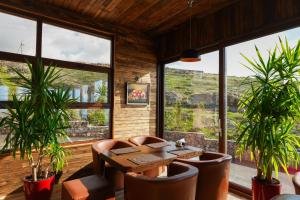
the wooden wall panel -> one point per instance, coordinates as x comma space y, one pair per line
244, 20
134, 57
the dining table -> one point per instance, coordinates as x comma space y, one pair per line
145, 157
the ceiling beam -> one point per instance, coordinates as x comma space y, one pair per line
57, 15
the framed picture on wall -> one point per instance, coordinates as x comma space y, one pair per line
137, 93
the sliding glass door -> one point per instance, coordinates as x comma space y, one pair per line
191, 102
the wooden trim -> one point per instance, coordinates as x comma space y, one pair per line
77, 105
75, 65
5, 104
240, 190
111, 85
82, 105
222, 102
13, 57
66, 145
39, 32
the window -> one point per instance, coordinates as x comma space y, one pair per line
242, 170
88, 87
8, 79
17, 35
191, 101
63, 44
85, 68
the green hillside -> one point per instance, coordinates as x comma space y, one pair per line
185, 84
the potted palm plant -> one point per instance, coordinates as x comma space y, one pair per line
271, 107
37, 122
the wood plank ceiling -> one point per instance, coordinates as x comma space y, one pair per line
153, 17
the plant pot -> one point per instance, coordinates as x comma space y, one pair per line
262, 190
38, 190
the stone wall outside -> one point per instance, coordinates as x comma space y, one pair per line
198, 140
79, 129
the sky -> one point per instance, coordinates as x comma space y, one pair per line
18, 35
234, 60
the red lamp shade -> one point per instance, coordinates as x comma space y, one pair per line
190, 55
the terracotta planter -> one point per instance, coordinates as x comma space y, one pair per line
264, 191
38, 190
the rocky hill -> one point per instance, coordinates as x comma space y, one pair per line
194, 88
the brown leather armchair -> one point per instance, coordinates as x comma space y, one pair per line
213, 178
103, 168
296, 182
179, 185
145, 139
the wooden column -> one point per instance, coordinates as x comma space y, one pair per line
222, 102
39, 30
160, 100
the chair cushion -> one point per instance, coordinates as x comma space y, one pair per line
89, 187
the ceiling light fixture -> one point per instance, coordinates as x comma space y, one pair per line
190, 55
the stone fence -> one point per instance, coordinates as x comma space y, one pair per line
199, 140
79, 129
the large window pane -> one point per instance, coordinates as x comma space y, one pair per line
17, 35
88, 87
242, 170
63, 44
191, 102
9, 78
88, 124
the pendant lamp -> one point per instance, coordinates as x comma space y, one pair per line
190, 55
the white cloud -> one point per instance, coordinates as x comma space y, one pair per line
15, 31
69, 45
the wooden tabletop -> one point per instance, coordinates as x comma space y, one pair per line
123, 162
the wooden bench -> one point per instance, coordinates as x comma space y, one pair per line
88, 188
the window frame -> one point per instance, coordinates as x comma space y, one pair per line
15, 57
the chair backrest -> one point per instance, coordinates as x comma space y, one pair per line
180, 184
102, 146
145, 139
213, 178
296, 182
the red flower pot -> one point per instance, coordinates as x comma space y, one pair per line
38, 190
264, 191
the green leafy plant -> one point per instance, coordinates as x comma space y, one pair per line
101, 93
39, 121
97, 118
270, 107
